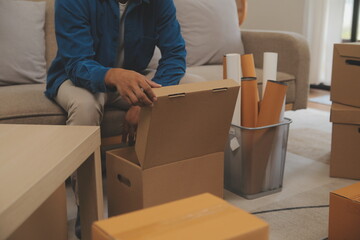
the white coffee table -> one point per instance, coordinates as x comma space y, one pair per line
36, 159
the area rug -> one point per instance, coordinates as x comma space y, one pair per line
306, 183
300, 210
322, 99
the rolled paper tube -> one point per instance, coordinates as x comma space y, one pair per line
249, 102
258, 158
272, 103
264, 139
248, 66
233, 71
224, 68
269, 68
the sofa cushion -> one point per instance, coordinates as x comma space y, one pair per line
215, 72
210, 29
22, 42
27, 104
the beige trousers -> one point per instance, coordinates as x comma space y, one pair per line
85, 108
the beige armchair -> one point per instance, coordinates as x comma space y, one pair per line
294, 57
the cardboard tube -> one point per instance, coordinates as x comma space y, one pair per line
269, 68
249, 102
224, 68
233, 71
248, 66
272, 103
256, 160
264, 139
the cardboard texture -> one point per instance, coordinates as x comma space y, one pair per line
345, 151
131, 188
248, 65
187, 121
345, 83
179, 148
249, 102
200, 217
49, 221
344, 213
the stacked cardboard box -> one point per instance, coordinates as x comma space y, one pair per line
344, 213
201, 217
179, 150
345, 112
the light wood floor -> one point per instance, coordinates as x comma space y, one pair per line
318, 93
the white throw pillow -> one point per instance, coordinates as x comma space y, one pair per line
22, 42
210, 29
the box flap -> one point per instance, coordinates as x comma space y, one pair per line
351, 192
186, 121
196, 217
351, 50
344, 114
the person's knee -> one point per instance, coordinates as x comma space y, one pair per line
85, 112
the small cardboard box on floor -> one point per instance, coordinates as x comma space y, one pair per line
344, 213
345, 144
179, 150
345, 83
200, 217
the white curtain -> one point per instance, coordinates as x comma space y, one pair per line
323, 28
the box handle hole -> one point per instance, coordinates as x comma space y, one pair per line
353, 62
176, 95
359, 130
124, 180
220, 89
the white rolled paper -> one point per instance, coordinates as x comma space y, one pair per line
233, 71
269, 68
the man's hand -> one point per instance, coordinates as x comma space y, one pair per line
130, 125
132, 86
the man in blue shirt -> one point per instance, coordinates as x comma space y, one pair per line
103, 48
92, 38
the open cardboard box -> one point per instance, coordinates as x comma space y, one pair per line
345, 83
200, 217
345, 151
344, 213
179, 148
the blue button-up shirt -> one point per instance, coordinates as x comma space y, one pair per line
87, 34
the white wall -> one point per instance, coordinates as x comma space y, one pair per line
283, 15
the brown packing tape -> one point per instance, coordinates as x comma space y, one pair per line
272, 103
247, 65
249, 102
224, 68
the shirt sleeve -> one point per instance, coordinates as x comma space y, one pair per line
172, 65
75, 45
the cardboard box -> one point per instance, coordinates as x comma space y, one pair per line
345, 150
201, 217
345, 83
344, 213
49, 221
132, 188
179, 147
